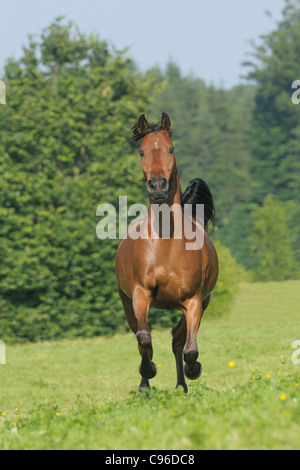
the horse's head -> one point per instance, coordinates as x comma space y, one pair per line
157, 156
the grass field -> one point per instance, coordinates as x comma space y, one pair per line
83, 394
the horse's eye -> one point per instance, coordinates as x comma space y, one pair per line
141, 152
171, 150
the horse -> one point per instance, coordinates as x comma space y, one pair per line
160, 272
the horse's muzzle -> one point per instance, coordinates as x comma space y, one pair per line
158, 189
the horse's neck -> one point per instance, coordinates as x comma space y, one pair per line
177, 195
176, 184
173, 202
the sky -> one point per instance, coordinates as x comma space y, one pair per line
208, 39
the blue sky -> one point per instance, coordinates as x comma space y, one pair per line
206, 38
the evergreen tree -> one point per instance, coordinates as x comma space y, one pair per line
275, 163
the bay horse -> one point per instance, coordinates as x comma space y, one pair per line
160, 272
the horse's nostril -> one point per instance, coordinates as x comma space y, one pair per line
164, 184
151, 186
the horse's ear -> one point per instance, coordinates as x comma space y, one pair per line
142, 125
166, 123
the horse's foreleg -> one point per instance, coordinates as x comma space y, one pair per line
193, 314
133, 324
179, 339
141, 304
128, 309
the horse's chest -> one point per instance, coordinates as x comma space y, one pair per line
170, 285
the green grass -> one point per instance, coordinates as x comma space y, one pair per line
82, 394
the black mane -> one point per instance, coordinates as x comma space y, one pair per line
198, 192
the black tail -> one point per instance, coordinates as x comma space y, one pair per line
198, 192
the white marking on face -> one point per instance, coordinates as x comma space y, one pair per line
156, 145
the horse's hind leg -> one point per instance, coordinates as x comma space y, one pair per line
193, 314
205, 304
133, 324
179, 339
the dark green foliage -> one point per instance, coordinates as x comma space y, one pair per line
230, 276
235, 232
275, 167
272, 241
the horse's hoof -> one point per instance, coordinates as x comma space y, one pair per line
194, 373
148, 372
184, 387
144, 385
